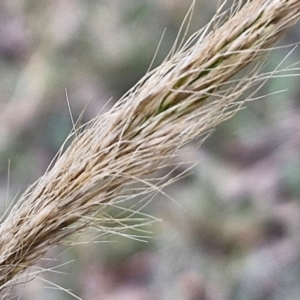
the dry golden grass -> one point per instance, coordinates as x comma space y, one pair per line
184, 98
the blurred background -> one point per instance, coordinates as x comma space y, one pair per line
232, 231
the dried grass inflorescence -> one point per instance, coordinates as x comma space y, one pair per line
184, 98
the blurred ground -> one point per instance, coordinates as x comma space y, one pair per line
233, 232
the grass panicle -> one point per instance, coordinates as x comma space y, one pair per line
198, 86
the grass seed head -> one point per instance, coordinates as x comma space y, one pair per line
191, 92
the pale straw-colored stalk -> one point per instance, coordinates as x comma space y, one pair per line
186, 96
